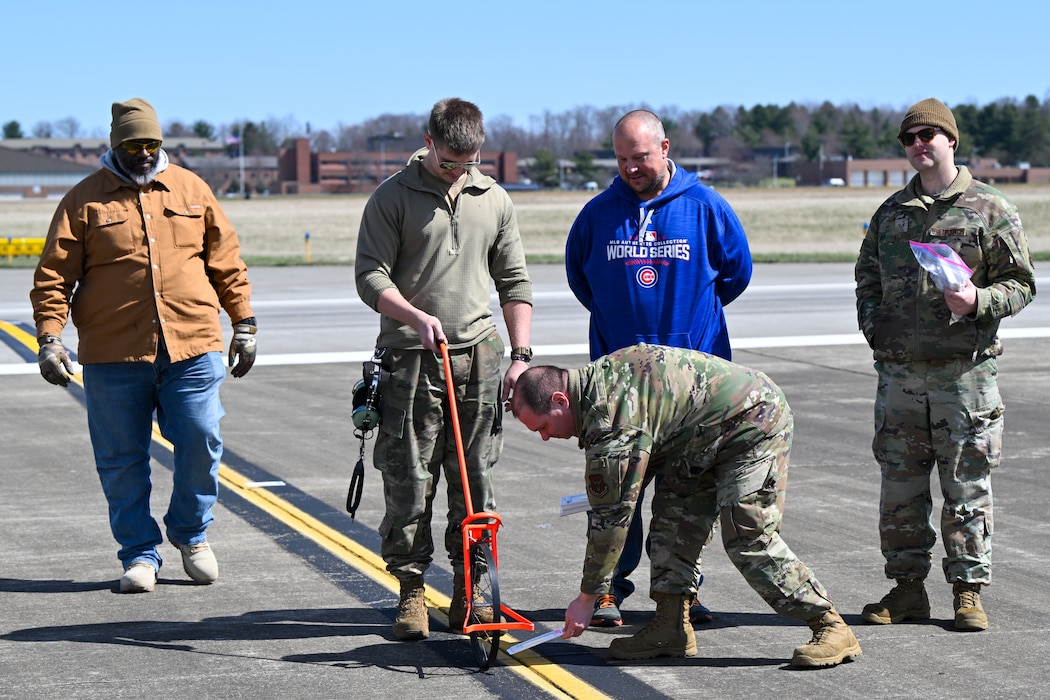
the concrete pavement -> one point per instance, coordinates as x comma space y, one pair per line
302, 608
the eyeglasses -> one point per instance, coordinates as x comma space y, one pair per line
446, 165
136, 146
925, 135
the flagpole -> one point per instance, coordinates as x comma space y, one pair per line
240, 148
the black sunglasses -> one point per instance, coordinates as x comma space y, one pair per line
925, 135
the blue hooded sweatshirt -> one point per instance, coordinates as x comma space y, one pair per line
658, 271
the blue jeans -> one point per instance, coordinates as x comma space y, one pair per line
121, 400
622, 586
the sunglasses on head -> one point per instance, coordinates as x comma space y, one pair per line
925, 135
136, 146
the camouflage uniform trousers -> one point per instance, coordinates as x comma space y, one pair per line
947, 412
686, 508
416, 443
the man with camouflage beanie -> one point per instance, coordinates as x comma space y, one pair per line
937, 401
718, 435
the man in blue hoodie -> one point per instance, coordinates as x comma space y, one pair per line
654, 259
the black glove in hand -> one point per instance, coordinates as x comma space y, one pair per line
242, 348
55, 365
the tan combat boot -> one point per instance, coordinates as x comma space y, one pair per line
969, 615
669, 634
833, 642
906, 601
412, 621
457, 610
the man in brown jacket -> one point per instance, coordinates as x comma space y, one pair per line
143, 257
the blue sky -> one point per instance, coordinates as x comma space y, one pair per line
331, 62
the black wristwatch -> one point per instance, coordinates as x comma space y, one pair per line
522, 354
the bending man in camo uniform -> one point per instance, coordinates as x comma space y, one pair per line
719, 436
937, 400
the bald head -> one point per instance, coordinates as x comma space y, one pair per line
641, 122
641, 148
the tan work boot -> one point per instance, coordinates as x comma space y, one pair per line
457, 610
906, 601
969, 615
412, 621
669, 634
833, 642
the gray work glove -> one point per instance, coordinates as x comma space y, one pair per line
55, 365
242, 347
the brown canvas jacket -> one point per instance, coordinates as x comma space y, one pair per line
127, 263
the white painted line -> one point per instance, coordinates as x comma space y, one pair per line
784, 341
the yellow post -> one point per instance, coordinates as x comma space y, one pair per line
306, 238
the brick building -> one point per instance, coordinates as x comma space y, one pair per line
896, 172
301, 171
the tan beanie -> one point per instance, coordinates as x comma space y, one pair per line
134, 119
931, 112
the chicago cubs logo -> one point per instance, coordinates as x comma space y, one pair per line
647, 276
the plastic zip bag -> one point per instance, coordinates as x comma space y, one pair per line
944, 265
946, 268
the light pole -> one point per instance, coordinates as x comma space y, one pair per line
240, 152
821, 166
382, 159
383, 138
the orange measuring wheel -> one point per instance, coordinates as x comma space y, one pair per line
480, 559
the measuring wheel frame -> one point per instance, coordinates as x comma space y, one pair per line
482, 580
480, 558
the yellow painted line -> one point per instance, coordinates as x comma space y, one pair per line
556, 681
29, 340
18, 334
536, 669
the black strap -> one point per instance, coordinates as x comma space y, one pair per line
357, 483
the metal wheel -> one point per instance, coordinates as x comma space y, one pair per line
486, 599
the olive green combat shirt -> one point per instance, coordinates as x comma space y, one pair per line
442, 259
651, 409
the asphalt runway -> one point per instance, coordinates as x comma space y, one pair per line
304, 609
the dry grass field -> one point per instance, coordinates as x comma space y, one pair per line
783, 224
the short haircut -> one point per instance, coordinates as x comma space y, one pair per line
536, 385
457, 125
648, 120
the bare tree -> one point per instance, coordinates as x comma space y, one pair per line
284, 128
322, 141
67, 128
42, 130
176, 128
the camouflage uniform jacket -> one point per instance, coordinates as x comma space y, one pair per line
902, 314
650, 409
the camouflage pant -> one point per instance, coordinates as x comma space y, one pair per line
746, 491
416, 443
947, 413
